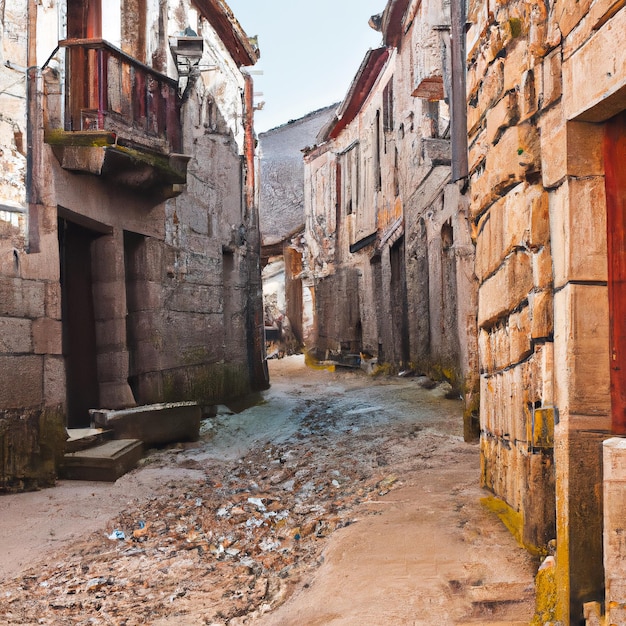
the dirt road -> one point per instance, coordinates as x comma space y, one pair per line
337, 499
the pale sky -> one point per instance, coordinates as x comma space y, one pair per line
310, 52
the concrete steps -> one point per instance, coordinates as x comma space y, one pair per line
105, 462
115, 444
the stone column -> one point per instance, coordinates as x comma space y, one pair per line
573, 171
109, 292
614, 465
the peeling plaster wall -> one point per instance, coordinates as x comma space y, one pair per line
12, 108
225, 82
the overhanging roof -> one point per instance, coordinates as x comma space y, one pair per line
238, 44
361, 87
393, 22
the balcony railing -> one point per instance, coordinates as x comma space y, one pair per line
108, 90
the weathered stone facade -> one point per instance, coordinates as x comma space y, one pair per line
391, 257
281, 213
545, 82
129, 245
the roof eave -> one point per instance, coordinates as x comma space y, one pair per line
228, 29
393, 22
360, 88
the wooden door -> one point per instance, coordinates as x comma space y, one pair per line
84, 19
615, 172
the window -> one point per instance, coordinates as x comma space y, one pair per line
378, 183
388, 123
349, 163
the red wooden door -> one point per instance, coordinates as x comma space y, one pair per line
615, 181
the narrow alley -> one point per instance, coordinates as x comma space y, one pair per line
337, 498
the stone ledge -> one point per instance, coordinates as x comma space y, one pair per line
154, 424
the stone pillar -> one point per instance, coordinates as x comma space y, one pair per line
614, 464
581, 355
109, 292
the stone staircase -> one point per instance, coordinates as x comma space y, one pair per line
116, 441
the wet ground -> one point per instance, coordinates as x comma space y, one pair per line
338, 499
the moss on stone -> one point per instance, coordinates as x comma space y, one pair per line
545, 594
32, 443
471, 415
313, 363
513, 520
515, 27
206, 384
384, 369
159, 162
85, 139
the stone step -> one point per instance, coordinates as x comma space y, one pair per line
154, 424
83, 438
493, 603
501, 592
482, 622
106, 462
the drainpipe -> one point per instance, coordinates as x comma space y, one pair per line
249, 143
33, 148
459, 98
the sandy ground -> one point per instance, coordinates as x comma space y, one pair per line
337, 499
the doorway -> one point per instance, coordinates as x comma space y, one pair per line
84, 19
398, 303
79, 327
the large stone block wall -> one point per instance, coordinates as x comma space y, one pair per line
510, 208
542, 78
32, 373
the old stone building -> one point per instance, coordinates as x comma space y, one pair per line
129, 244
391, 257
547, 94
281, 215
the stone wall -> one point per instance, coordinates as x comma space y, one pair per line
164, 309
281, 184
381, 204
32, 376
542, 79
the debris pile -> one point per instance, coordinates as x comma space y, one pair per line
225, 548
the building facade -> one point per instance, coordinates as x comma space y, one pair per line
129, 244
546, 98
281, 210
391, 256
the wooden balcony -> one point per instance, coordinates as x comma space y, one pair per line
121, 118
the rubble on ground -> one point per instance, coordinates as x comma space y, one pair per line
225, 547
